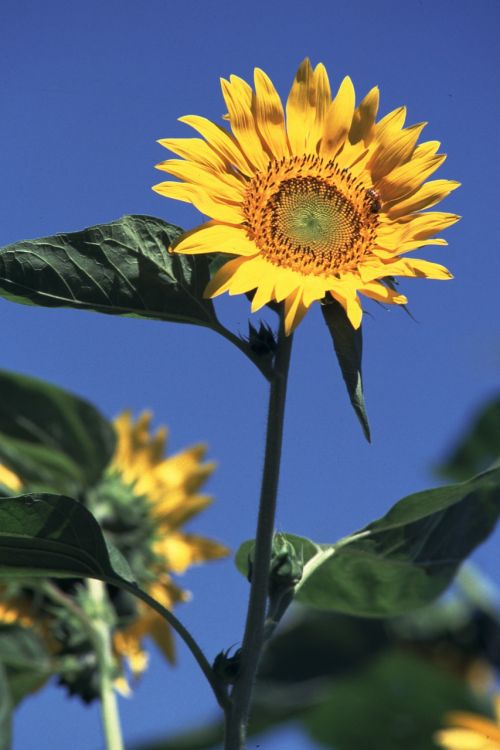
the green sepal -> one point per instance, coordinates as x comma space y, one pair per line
348, 345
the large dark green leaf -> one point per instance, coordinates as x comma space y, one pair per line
478, 448
399, 701
348, 344
405, 559
52, 535
51, 438
122, 268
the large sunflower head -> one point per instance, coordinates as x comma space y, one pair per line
316, 199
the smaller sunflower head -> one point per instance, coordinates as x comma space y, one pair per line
315, 199
142, 503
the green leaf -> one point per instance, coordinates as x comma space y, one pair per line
5, 712
121, 268
348, 344
52, 535
478, 448
405, 559
51, 438
399, 701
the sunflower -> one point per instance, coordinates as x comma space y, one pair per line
141, 503
165, 494
470, 732
318, 199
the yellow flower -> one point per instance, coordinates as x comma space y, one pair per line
471, 732
312, 200
142, 504
169, 487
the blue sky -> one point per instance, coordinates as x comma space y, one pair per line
86, 89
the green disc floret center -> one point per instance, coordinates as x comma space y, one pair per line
314, 217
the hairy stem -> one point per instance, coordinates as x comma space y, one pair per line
254, 637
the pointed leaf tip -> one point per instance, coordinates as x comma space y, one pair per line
348, 345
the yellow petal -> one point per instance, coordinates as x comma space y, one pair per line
338, 119
349, 300
221, 185
242, 121
422, 226
382, 293
398, 150
230, 213
363, 121
294, 311
418, 268
180, 551
388, 126
301, 109
221, 282
408, 177
195, 149
9, 479
463, 739
217, 238
263, 293
426, 196
269, 115
475, 723
221, 141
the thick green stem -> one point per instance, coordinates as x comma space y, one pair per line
254, 637
102, 640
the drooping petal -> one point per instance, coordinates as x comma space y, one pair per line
382, 293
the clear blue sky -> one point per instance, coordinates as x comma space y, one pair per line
85, 91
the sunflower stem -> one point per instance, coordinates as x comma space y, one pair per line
102, 639
254, 636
